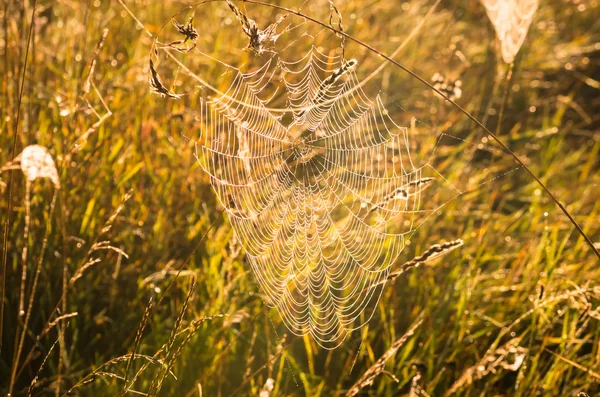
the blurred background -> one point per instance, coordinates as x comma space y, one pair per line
105, 309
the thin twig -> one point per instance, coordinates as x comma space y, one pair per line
10, 183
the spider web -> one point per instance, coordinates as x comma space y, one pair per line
511, 20
322, 205
323, 178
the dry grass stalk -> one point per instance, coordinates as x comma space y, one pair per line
90, 75
9, 192
415, 388
138, 338
93, 128
269, 364
193, 327
589, 371
107, 226
79, 273
25, 245
97, 245
433, 252
105, 245
36, 162
20, 339
125, 358
548, 300
379, 367
340, 25
170, 356
244, 152
258, 38
404, 192
267, 388
55, 322
167, 366
251, 357
35, 379
509, 356
163, 274
328, 83
9, 166
102, 245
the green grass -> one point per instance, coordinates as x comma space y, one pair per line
523, 274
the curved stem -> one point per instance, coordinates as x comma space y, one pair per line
10, 181
423, 81
464, 111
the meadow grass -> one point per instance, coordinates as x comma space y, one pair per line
513, 311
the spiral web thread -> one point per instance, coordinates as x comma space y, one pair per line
323, 205
511, 20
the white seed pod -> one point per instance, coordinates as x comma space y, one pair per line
36, 162
511, 20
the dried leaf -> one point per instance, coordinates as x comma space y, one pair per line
188, 31
36, 162
157, 86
